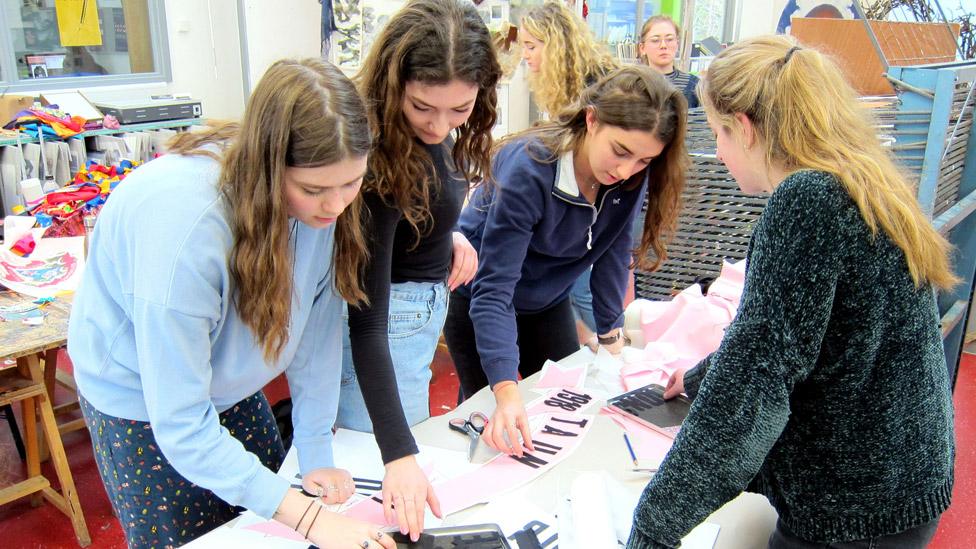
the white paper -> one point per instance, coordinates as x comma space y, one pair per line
16, 226
622, 503
603, 380
11, 174
592, 515
55, 266
513, 513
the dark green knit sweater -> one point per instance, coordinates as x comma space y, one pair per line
829, 393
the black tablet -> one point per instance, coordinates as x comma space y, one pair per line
475, 536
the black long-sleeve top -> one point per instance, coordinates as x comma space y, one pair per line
396, 256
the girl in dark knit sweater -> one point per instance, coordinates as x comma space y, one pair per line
829, 393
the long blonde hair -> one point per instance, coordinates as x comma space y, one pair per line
572, 59
434, 42
303, 113
807, 117
633, 98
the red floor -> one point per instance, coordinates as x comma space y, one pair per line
44, 527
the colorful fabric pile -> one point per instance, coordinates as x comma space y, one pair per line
50, 121
62, 212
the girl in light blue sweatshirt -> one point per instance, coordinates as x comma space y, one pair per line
211, 271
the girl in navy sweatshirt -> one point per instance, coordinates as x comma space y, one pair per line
564, 199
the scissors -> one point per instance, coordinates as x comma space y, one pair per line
473, 427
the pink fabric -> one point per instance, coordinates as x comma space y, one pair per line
557, 439
649, 445
561, 435
681, 332
555, 376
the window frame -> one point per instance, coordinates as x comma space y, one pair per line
161, 60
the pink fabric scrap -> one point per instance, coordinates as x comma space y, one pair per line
681, 332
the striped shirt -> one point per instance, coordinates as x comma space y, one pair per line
686, 83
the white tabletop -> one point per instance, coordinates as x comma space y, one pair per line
746, 521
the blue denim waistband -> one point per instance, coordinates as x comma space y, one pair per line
418, 291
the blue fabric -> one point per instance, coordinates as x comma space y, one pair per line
155, 505
155, 335
535, 235
417, 313
582, 300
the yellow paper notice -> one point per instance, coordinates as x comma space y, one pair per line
78, 22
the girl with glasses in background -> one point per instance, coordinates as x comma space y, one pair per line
660, 37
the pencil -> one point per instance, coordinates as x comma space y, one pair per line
630, 449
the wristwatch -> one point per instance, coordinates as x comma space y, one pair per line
609, 340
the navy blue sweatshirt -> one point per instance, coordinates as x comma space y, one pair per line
535, 235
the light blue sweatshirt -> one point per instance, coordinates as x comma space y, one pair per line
155, 336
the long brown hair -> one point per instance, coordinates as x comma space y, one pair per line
635, 97
807, 117
571, 56
303, 113
433, 42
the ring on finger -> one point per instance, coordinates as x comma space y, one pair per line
379, 536
364, 544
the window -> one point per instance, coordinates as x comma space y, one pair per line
57, 44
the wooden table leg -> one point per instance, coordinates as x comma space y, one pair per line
50, 369
27, 365
67, 500
27, 409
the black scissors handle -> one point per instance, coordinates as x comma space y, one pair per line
459, 424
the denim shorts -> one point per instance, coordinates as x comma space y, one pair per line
417, 313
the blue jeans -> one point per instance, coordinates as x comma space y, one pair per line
417, 313
582, 300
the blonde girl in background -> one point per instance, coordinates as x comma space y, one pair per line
563, 58
829, 393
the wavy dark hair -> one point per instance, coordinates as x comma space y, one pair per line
303, 113
433, 42
634, 97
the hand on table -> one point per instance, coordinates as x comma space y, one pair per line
464, 262
676, 384
332, 485
508, 421
406, 492
333, 530
618, 344
324, 528
592, 343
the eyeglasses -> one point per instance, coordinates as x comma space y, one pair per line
656, 41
